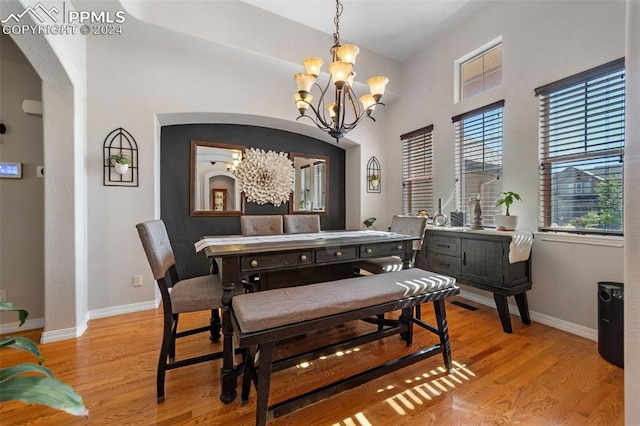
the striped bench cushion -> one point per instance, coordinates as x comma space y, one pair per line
279, 307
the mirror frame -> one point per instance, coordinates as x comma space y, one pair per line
292, 156
192, 183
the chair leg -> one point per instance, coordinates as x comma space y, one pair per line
174, 331
215, 325
168, 340
419, 311
443, 331
264, 379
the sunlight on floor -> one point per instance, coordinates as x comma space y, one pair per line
426, 387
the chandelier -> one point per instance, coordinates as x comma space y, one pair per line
343, 112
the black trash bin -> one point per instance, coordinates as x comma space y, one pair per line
611, 322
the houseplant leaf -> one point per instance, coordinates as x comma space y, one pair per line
22, 344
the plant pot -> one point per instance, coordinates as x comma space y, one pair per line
121, 169
505, 223
375, 183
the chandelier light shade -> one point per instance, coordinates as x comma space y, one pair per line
337, 109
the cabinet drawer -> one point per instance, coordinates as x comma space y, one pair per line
383, 249
448, 265
279, 260
336, 254
444, 245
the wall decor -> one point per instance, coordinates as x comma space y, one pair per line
373, 175
120, 159
266, 177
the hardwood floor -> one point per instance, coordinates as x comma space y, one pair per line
536, 376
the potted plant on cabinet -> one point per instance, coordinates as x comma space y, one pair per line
507, 222
121, 162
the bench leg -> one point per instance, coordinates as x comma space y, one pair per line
406, 319
443, 332
264, 378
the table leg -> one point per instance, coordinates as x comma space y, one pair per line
503, 310
523, 307
228, 373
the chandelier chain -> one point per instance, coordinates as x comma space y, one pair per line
336, 20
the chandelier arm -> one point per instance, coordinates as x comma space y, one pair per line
314, 121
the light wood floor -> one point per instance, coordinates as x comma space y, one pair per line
535, 376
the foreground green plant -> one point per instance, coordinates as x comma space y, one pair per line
33, 383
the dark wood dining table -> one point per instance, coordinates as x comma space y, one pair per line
239, 257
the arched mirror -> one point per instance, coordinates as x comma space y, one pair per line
214, 187
311, 193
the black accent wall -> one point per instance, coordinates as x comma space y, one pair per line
175, 156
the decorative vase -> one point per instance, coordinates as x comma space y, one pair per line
475, 211
375, 183
505, 223
439, 219
121, 168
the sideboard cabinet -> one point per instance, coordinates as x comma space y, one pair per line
481, 260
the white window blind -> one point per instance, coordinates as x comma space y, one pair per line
305, 185
417, 171
319, 179
478, 160
581, 131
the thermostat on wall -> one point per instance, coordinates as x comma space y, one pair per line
11, 170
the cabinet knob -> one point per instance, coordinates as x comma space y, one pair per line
399, 247
303, 257
369, 251
254, 263
338, 254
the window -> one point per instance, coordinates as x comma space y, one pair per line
582, 120
480, 72
417, 171
305, 186
319, 180
478, 158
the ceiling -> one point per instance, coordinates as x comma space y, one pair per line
397, 29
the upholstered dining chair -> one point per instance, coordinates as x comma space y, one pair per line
261, 224
408, 225
301, 223
202, 293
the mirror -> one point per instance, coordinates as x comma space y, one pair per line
214, 188
312, 184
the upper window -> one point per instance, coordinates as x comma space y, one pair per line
480, 71
417, 171
478, 158
582, 120
319, 179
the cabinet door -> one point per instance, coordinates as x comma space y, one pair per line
482, 261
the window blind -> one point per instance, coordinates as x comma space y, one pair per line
417, 171
581, 130
478, 159
305, 185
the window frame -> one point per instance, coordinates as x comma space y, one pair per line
576, 89
458, 90
418, 144
487, 203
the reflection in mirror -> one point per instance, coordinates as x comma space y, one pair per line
311, 189
214, 187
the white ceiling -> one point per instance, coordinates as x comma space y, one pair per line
396, 29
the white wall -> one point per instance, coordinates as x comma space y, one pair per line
542, 42
632, 217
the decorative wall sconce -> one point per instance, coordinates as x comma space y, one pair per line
373, 175
120, 159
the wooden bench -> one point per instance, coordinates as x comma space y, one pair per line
261, 319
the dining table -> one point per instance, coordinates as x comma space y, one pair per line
239, 257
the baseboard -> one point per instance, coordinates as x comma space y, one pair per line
563, 325
123, 309
12, 327
73, 332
